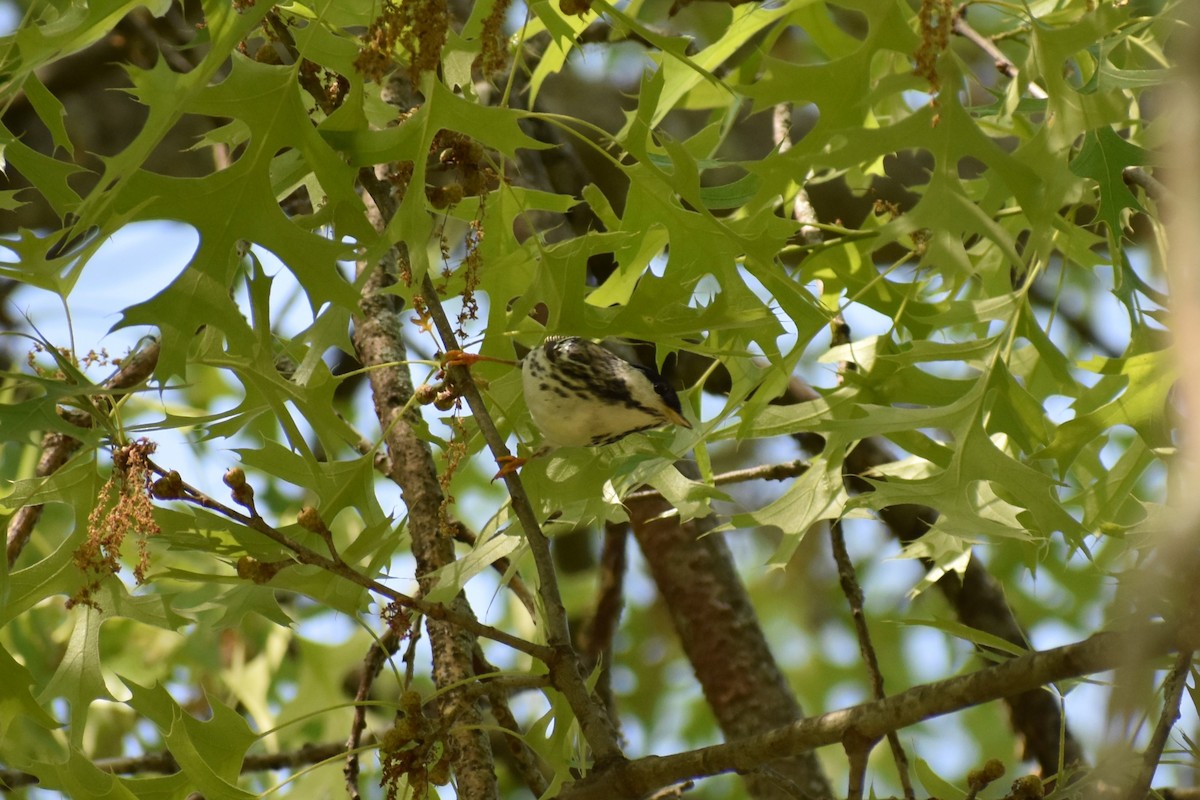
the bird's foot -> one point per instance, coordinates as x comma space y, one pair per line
509, 466
461, 358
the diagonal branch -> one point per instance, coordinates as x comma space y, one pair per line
1004, 64
1172, 694
1098, 653
305, 555
567, 668
854, 596
640, 777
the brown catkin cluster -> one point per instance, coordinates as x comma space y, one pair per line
466, 161
68, 356
398, 618
418, 26
414, 748
456, 453
493, 54
122, 508
936, 17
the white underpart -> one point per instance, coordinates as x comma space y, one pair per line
573, 421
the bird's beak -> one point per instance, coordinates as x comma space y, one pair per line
674, 416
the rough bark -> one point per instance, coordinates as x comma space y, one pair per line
377, 341
720, 633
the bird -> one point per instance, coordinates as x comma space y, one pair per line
581, 394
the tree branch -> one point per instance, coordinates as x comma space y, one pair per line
596, 636
305, 555
566, 667
380, 347
377, 655
766, 472
164, 763
1172, 694
1097, 653
854, 597
1153, 187
719, 630
525, 758
1004, 64
802, 207
634, 779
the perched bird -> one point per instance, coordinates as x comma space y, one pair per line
580, 393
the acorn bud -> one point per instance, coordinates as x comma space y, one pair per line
235, 478
1028, 787
243, 495
310, 520
247, 567
163, 489
574, 6
251, 569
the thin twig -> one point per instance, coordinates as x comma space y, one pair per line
377, 656
1172, 694
766, 472
854, 596
410, 657
525, 758
165, 764
802, 207
596, 638
566, 668
1004, 64
857, 749
337, 566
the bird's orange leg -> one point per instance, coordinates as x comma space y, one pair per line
509, 465
461, 358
